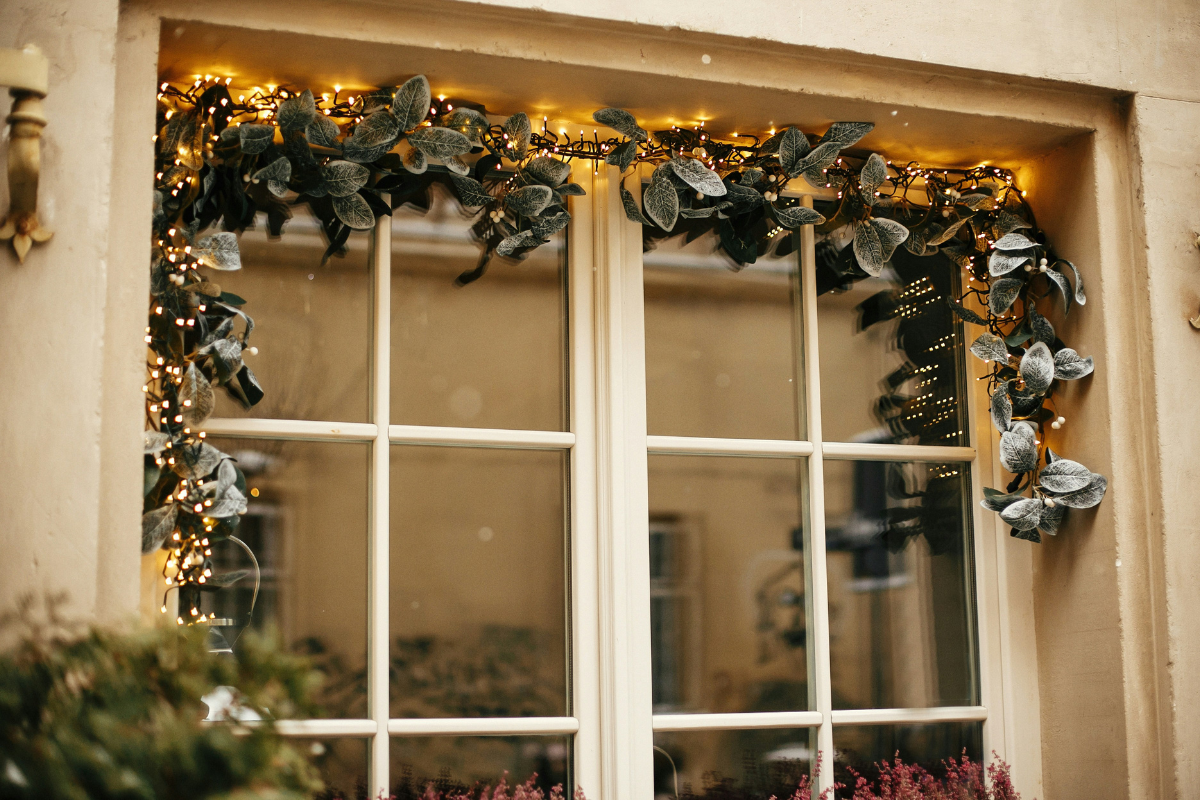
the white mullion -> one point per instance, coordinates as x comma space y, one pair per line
481, 437
626, 734
379, 563
816, 503
584, 587
484, 726
321, 728
909, 716
896, 452
307, 430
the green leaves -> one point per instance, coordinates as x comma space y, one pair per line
1001, 263
1003, 294
847, 134
1018, 448
343, 178
622, 155
621, 121
661, 202
377, 130
470, 192
1001, 408
1064, 476
990, 347
354, 212
964, 313
632, 212
468, 122
276, 174
296, 113
517, 242
157, 525
1087, 497
219, 251
873, 174
698, 176
196, 397
1024, 514
439, 143
547, 171
253, 138
529, 201
322, 131
792, 146
519, 133
874, 242
792, 217
1069, 366
1037, 368
411, 103
196, 461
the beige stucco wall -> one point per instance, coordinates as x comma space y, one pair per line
1118, 645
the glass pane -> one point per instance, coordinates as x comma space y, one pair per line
891, 351
491, 354
478, 597
722, 347
862, 747
727, 585
343, 766
732, 765
901, 591
306, 523
464, 762
312, 323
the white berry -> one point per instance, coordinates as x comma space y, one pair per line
1061, 420
1049, 503
253, 351
1056, 424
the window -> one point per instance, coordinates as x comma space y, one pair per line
624, 519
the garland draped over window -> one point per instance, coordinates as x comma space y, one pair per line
353, 160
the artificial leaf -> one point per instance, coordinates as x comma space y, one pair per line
227, 502
1064, 476
872, 176
1013, 241
890, 232
821, 156
195, 396
196, 461
1007, 223
1003, 294
1043, 331
528, 201
470, 191
1037, 368
998, 501
547, 171
978, 202
1024, 514
322, 131
548, 226
622, 155
632, 212
794, 216
411, 103
278, 170
1001, 408
516, 242
440, 143
990, 347
948, 233
742, 249
296, 113
1022, 334
354, 212
792, 146
154, 442
1029, 536
1080, 298
251, 389
698, 176
343, 178
219, 251
1052, 518
915, 243
1064, 286
847, 134
1087, 497
1000, 263
661, 202
1069, 366
157, 525
253, 139
468, 122
868, 249
621, 121
964, 313
228, 578
519, 133
226, 356
414, 161
1018, 448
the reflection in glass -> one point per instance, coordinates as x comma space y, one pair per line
901, 591
862, 747
490, 354
464, 762
306, 523
342, 763
891, 350
732, 764
478, 563
722, 348
728, 612
312, 323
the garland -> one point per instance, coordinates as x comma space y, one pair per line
352, 160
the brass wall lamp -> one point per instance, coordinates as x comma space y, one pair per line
27, 74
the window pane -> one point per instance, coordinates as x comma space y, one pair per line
891, 350
306, 523
491, 354
343, 766
733, 764
728, 613
862, 747
901, 590
462, 762
478, 598
312, 323
722, 347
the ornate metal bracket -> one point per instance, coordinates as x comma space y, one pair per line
27, 74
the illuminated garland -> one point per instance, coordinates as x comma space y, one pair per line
354, 159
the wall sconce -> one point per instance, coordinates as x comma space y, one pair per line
27, 74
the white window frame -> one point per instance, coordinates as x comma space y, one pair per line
612, 718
